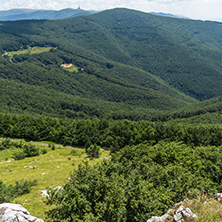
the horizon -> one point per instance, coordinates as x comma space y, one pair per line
79, 8
193, 9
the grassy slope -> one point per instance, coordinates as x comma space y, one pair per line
207, 209
56, 166
29, 50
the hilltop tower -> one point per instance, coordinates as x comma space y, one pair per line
79, 7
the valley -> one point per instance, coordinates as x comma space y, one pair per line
126, 104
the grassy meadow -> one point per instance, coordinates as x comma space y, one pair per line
29, 50
51, 170
71, 69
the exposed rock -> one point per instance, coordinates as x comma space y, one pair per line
160, 219
183, 212
15, 213
218, 197
178, 214
45, 192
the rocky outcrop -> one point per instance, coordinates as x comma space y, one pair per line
160, 219
183, 213
218, 197
15, 213
178, 214
46, 194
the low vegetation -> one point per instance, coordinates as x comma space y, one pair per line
49, 170
28, 50
139, 182
206, 208
9, 193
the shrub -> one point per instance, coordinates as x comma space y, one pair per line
30, 150
19, 155
44, 151
8, 193
6, 142
93, 151
74, 152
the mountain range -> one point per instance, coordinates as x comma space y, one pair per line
128, 64
28, 14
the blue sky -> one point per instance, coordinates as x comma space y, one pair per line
196, 9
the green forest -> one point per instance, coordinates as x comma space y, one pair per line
143, 87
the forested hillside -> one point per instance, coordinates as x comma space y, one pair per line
126, 59
143, 87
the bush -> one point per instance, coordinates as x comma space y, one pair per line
53, 147
6, 142
30, 150
24, 186
137, 183
8, 193
93, 151
19, 155
44, 151
74, 152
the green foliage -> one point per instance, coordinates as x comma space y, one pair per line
7, 143
43, 151
8, 193
93, 151
120, 74
28, 150
110, 134
20, 155
139, 182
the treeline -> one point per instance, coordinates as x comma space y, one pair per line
137, 183
110, 134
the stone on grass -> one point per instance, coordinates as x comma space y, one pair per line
160, 219
218, 197
182, 213
15, 213
45, 192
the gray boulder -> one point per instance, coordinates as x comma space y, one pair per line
160, 219
182, 213
218, 197
15, 213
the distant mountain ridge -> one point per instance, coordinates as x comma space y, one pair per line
168, 15
30, 14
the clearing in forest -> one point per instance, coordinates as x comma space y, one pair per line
29, 50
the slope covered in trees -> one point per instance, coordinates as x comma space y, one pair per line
184, 53
115, 53
98, 80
